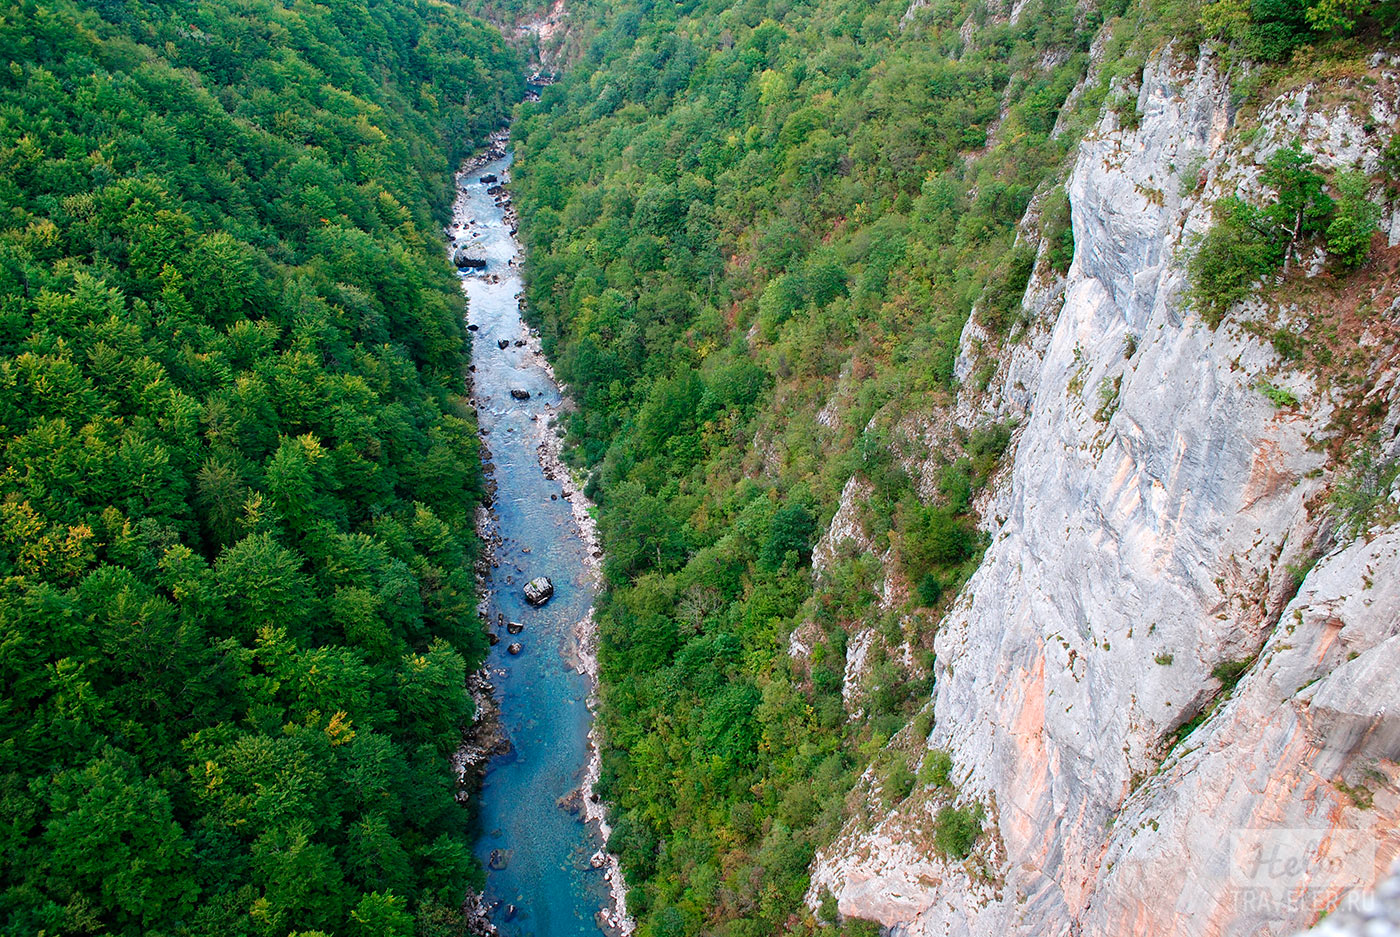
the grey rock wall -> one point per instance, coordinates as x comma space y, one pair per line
1156, 511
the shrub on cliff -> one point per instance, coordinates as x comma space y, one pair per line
1349, 233
1249, 242
1361, 497
955, 830
1229, 259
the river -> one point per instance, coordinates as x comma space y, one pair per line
544, 884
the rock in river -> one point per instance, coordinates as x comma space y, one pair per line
502, 343
519, 394
464, 260
498, 860
515, 627
514, 648
538, 590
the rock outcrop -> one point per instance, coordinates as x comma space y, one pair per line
465, 260
538, 590
1160, 520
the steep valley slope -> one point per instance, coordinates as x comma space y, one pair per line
1142, 549
986, 555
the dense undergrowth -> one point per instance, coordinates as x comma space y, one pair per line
239, 472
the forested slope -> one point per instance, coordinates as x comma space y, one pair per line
239, 471
758, 233
733, 212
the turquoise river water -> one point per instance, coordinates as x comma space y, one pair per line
547, 887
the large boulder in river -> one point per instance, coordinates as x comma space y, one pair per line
538, 590
519, 394
463, 259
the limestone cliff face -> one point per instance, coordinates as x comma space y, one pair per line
1158, 515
